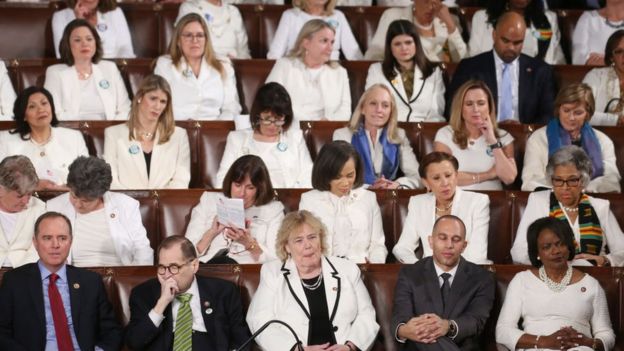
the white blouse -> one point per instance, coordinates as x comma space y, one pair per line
605, 86
590, 35
7, 94
93, 245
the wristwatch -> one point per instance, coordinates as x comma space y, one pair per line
496, 145
452, 330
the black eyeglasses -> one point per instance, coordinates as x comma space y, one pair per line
280, 121
173, 268
572, 182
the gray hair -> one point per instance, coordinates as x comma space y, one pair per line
89, 177
571, 155
18, 174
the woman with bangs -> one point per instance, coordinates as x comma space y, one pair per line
149, 151
203, 84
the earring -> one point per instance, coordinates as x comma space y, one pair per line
139, 101
538, 258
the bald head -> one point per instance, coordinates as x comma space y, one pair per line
508, 36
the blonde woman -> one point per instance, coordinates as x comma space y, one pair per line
318, 87
149, 151
383, 146
292, 21
203, 84
485, 152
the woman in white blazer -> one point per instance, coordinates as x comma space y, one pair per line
225, 23
248, 179
84, 87
542, 38
322, 298
107, 226
349, 211
574, 107
384, 148
203, 85
50, 148
273, 138
7, 94
319, 87
20, 211
439, 173
149, 151
106, 17
596, 230
439, 35
416, 83
293, 20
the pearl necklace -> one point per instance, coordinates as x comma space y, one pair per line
570, 209
83, 76
446, 208
420, 26
314, 285
552, 285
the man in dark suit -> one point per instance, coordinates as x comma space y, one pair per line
442, 302
50, 305
179, 310
522, 86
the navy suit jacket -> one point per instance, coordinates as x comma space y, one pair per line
536, 90
22, 311
225, 325
472, 295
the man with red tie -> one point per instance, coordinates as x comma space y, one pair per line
50, 305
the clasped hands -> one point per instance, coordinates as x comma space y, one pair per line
426, 328
566, 338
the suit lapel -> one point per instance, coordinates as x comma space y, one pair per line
490, 75
205, 302
36, 293
167, 326
524, 73
104, 87
70, 81
160, 153
75, 297
291, 276
433, 287
137, 159
332, 287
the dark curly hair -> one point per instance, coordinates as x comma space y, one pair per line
89, 177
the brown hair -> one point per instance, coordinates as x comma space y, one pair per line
253, 167
328, 10
166, 123
435, 157
186, 246
576, 93
52, 214
293, 222
65, 47
103, 5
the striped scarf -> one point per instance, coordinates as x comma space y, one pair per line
589, 224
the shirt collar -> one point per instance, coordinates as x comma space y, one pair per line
439, 270
499, 61
45, 273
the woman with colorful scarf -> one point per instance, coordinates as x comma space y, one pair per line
388, 158
574, 107
594, 225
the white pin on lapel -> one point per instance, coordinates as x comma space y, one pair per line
76, 286
208, 309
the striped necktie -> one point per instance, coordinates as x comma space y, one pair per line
183, 334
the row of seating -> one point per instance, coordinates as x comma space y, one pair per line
151, 26
168, 212
250, 75
380, 280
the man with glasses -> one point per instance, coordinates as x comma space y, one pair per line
182, 311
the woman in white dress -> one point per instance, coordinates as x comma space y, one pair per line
202, 83
388, 158
248, 179
103, 15
292, 20
7, 94
50, 148
416, 83
318, 86
542, 39
574, 107
85, 87
561, 308
273, 138
349, 211
149, 151
592, 30
484, 151
439, 174
606, 84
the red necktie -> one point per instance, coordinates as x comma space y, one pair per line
63, 339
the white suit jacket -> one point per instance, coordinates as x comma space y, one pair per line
538, 206
280, 296
51, 160
536, 159
124, 222
20, 250
333, 84
481, 38
294, 163
264, 222
7, 94
427, 101
170, 166
366, 239
62, 82
112, 28
605, 86
407, 159
472, 208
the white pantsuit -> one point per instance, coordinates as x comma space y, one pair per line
7, 94
605, 86
20, 250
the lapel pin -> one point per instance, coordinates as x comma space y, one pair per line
187, 73
112, 215
102, 27
583, 289
76, 286
104, 84
208, 310
134, 149
529, 70
335, 288
42, 153
206, 303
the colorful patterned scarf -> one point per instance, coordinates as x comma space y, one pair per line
589, 224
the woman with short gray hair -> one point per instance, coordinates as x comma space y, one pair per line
108, 230
591, 220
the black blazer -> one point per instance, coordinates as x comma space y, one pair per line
22, 312
225, 325
472, 296
536, 90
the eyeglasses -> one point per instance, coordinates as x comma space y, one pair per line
279, 121
192, 37
173, 268
572, 182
